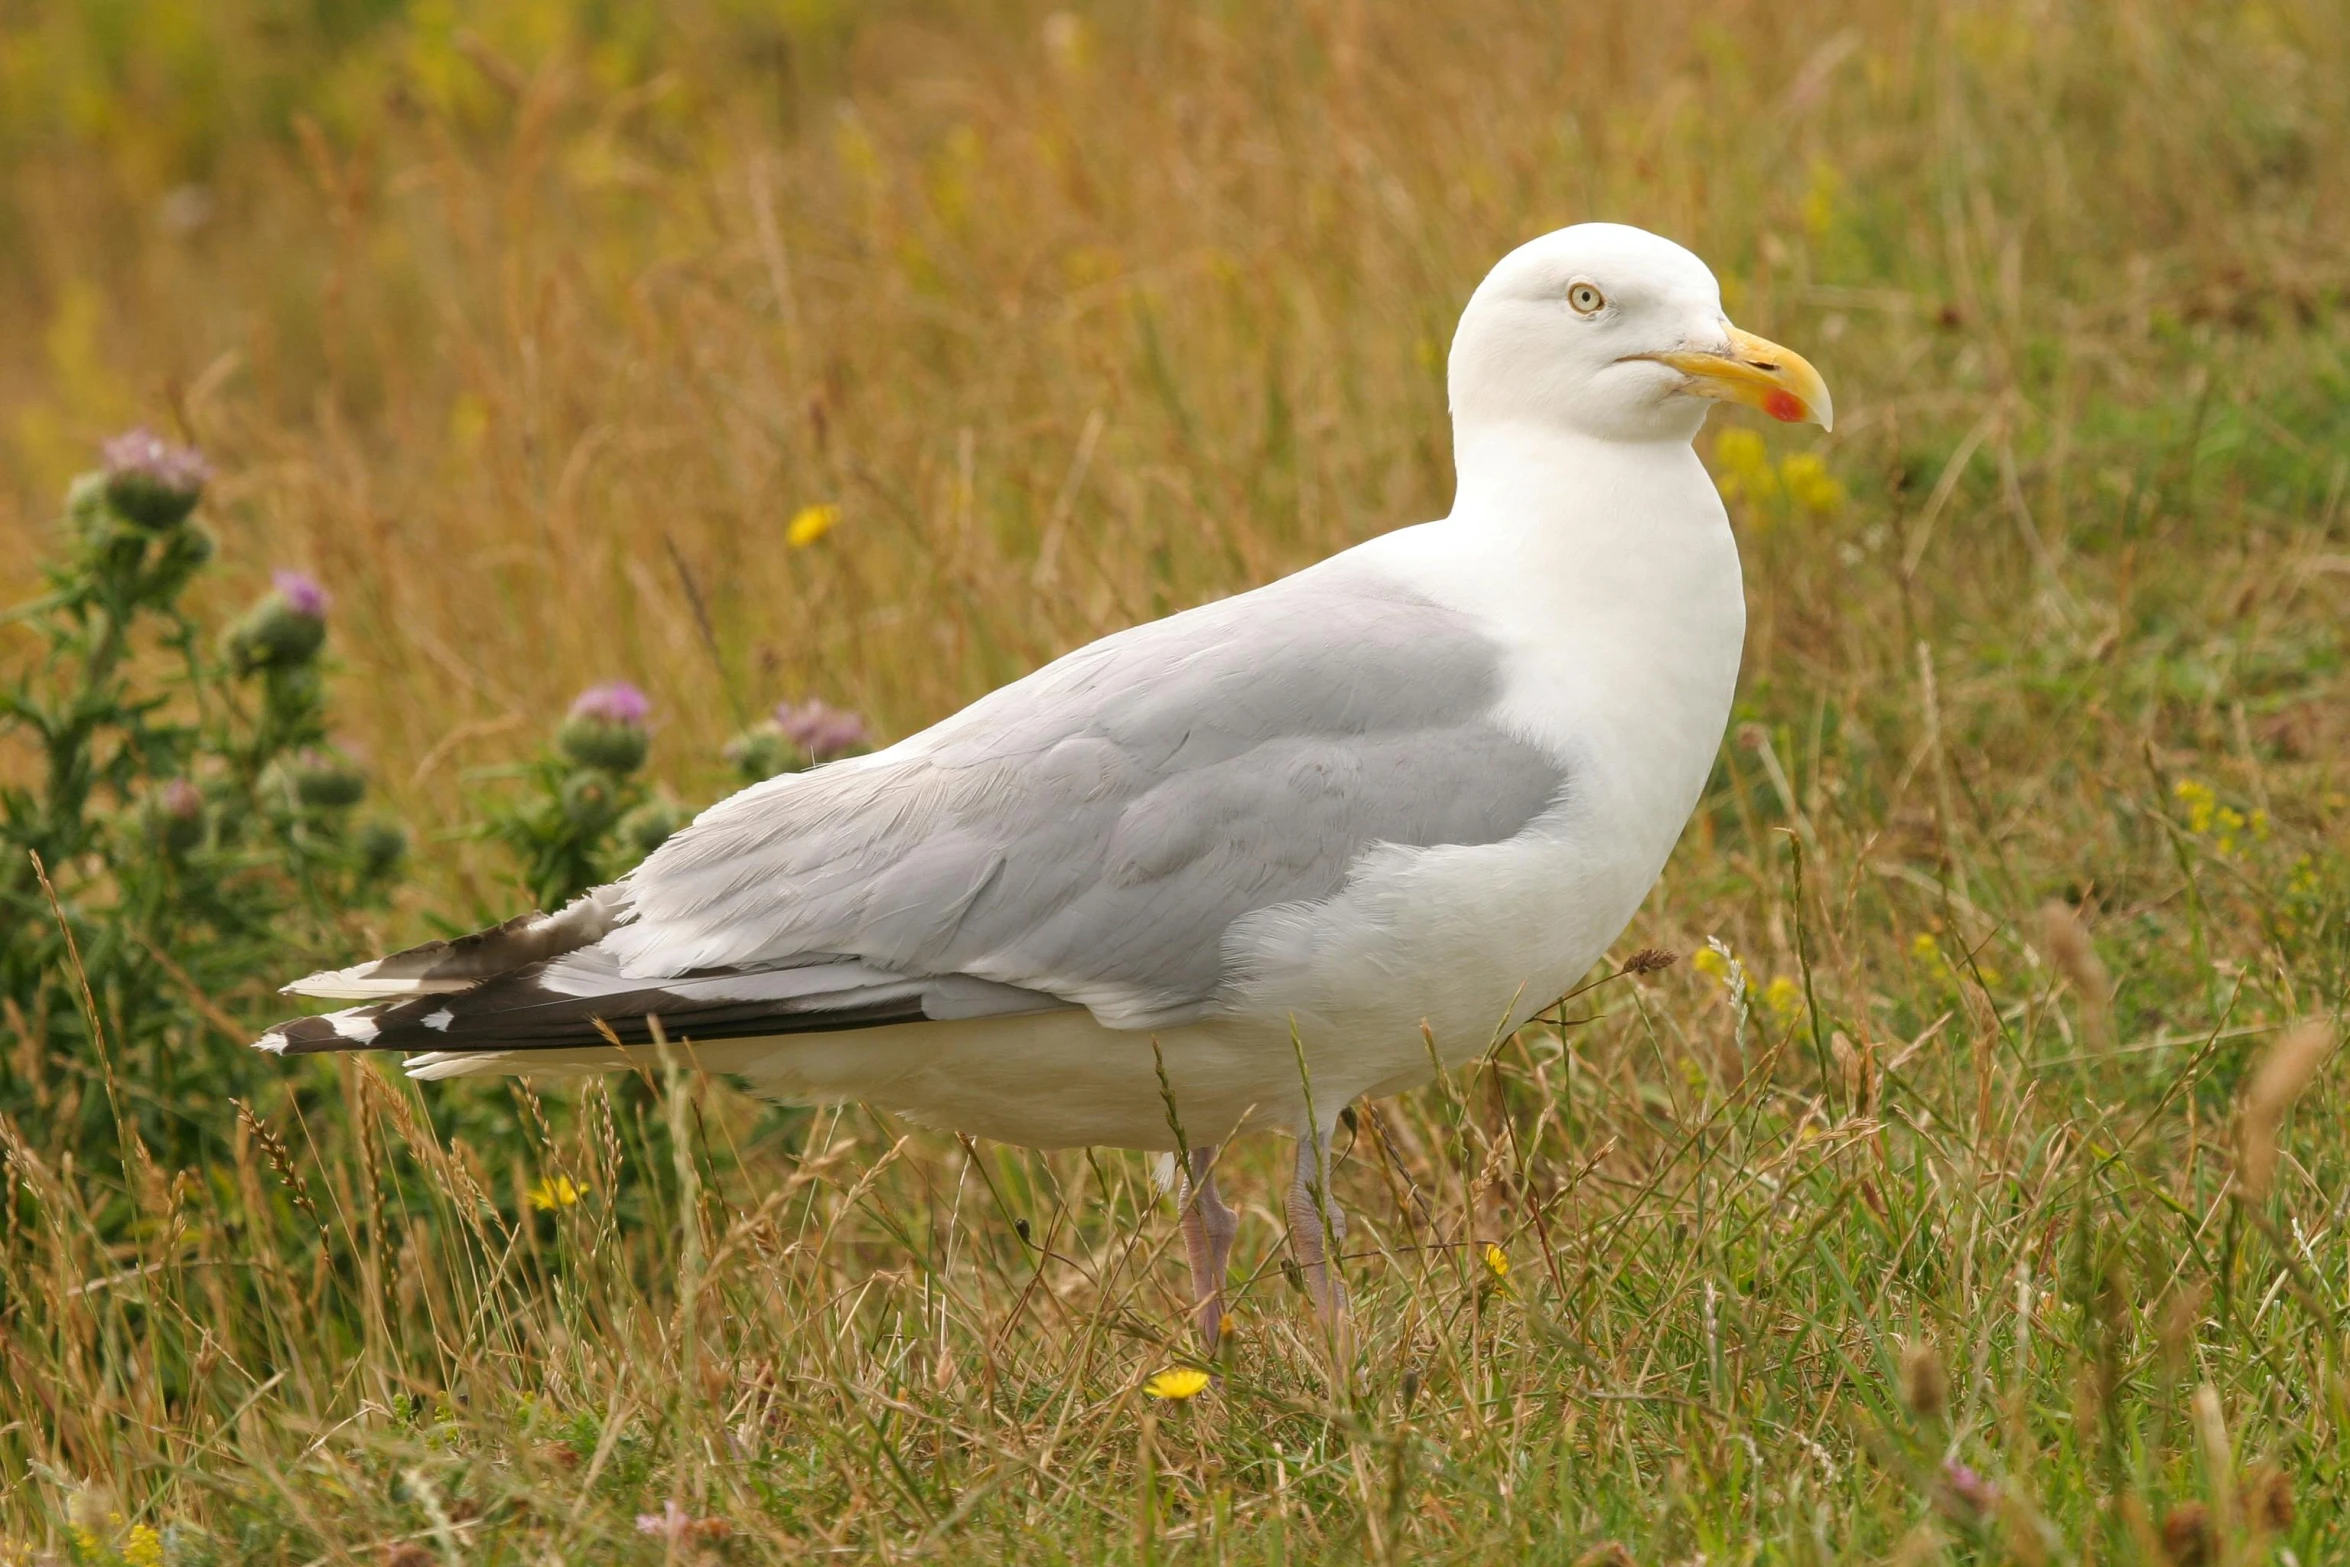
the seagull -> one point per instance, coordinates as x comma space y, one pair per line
1238, 867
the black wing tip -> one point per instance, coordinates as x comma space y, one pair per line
353, 1029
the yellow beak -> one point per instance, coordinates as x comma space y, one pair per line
1759, 373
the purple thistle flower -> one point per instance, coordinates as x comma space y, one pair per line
301, 592
142, 454
151, 482
819, 730
614, 702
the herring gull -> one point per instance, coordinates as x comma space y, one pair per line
1271, 847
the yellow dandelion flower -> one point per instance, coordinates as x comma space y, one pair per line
553, 1192
1783, 996
1497, 1262
809, 524
1177, 1383
143, 1547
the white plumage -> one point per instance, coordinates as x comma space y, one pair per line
1412, 792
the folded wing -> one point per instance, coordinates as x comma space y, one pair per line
1085, 836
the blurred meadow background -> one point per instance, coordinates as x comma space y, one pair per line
1972, 1190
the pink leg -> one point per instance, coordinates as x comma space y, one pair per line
1311, 1202
1208, 1228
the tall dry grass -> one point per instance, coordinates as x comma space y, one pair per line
531, 339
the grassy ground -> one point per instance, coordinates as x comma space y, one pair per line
1948, 1202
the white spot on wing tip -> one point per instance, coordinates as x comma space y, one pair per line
439, 1020
273, 1044
353, 1027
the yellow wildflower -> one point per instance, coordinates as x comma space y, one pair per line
1497, 1262
1924, 947
1709, 962
1177, 1383
1820, 200
1783, 996
1743, 465
1809, 484
809, 524
553, 1192
143, 1547
2202, 805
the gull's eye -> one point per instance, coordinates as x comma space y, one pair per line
1586, 300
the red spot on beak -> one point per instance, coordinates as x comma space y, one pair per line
1785, 407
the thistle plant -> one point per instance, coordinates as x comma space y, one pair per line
566, 828
795, 737
585, 816
188, 809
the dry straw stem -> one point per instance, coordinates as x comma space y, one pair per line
2284, 1072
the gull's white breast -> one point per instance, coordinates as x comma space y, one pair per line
1612, 578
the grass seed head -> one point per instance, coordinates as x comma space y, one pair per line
2188, 1539
2075, 957
1925, 1386
2266, 1497
2288, 1068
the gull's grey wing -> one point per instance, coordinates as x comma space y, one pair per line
1092, 831
1085, 836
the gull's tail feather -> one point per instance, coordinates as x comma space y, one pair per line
447, 967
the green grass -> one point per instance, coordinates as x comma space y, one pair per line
1085, 320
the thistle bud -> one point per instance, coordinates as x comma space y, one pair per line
588, 800
761, 752
650, 825
151, 482
606, 728
324, 781
283, 631
175, 816
382, 845
187, 551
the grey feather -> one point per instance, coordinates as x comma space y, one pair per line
1092, 831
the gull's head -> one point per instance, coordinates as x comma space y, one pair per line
1616, 333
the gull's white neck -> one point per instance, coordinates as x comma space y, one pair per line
1608, 570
